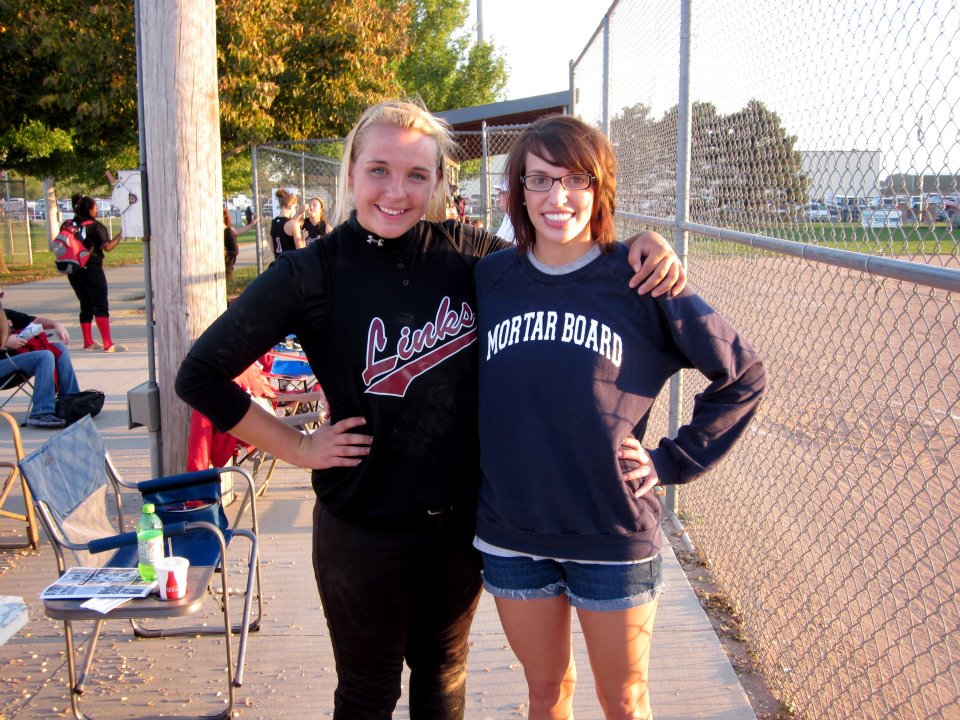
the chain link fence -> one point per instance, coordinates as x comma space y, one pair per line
806, 157
307, 168
18, 223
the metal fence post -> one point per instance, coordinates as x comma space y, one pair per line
605, 117
256, 200
484, 178
26, 224
682, 212
303, 178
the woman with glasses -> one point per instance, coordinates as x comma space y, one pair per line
385, 312
570, 364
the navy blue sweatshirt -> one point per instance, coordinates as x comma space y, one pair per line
569, 366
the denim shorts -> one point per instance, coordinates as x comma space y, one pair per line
588, 586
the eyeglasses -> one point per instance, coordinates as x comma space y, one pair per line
542, 183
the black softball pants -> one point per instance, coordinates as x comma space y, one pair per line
90, 287
395, 596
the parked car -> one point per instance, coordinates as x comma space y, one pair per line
66, 210
848, 207
818, 212
951, 203
881, 218
882, 202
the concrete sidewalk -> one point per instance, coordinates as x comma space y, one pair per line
290, 668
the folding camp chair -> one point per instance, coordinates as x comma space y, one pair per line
70, 478
19, 383
32, 539
296, 398
287, 369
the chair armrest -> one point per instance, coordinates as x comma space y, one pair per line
129, 538
302, 397
300, 418
199, 477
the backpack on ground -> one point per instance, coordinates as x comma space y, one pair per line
77, 405
69, 249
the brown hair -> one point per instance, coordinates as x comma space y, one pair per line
286, 197
569, 142
323, 209
227, 220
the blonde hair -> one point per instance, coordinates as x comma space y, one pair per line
407, 116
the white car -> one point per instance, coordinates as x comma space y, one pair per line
881, 218
817, 212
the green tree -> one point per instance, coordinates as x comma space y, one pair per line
287, 69
443, 66
743, 162
339, 60
253, 39
72, 96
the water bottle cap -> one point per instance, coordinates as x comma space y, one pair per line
148, 508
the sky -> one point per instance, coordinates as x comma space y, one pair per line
875, 75
557, 30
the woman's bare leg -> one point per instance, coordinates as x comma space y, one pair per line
618, 644
539, 633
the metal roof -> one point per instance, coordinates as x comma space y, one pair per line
499, 114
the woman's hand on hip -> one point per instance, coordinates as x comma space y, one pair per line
335, 446
632, 454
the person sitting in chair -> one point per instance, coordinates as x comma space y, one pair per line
48, 363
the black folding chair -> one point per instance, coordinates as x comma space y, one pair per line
19, 383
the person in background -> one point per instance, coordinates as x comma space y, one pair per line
384, 311
90, 283
248, 214
563, 519
48, 363
231, 248
315, 225
505, 231
285, 228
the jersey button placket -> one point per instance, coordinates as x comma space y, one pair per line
402, 268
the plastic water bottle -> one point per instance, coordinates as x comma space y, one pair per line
149, 542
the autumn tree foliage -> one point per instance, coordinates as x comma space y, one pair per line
287, 69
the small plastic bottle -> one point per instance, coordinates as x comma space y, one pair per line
149, 542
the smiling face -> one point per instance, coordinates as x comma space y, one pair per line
393, 176
560, 217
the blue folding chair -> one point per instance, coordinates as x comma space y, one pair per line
74, 484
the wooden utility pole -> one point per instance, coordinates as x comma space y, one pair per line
182, 133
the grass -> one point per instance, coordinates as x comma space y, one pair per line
907, 241
128, 252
